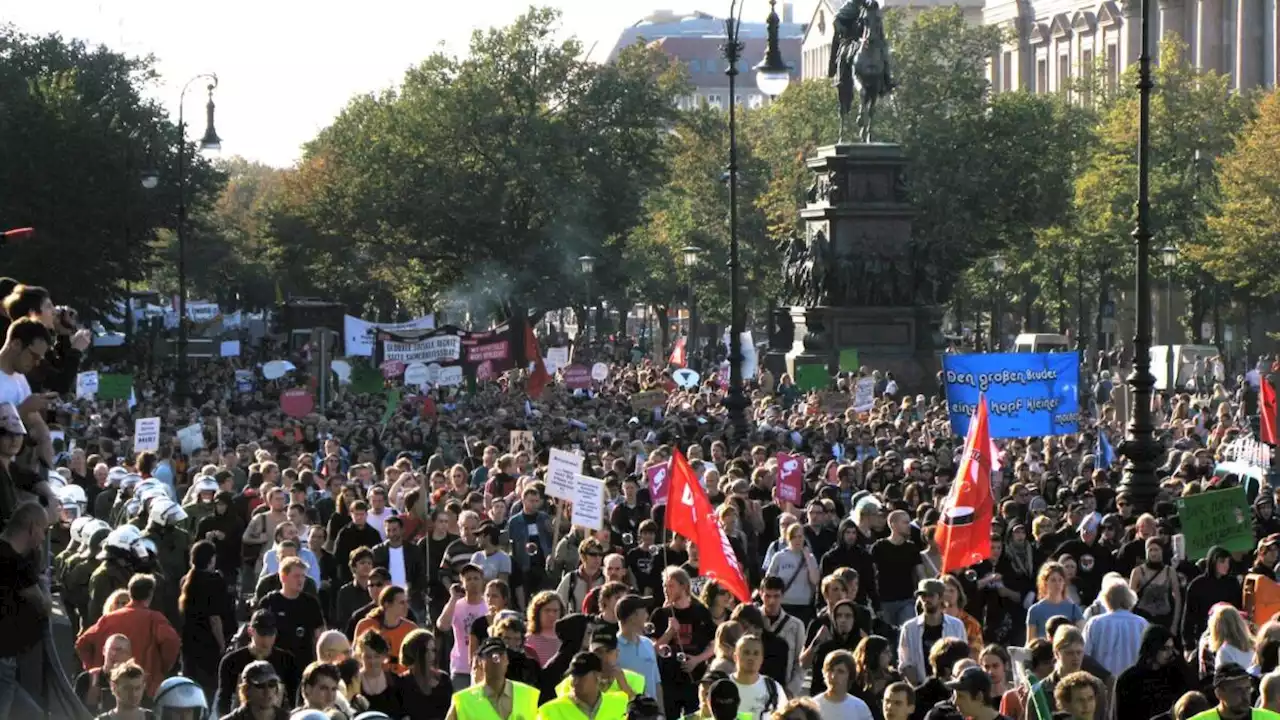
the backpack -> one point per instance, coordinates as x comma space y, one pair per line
771, 696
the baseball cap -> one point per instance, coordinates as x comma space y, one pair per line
1229, 672
584, 663
263, 623
713, 675
491, 645
929, 586
604, 639
1270, 540
973, 680
724, 694
257, 672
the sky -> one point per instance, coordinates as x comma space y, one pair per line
286, 68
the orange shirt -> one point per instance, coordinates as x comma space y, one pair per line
394, 636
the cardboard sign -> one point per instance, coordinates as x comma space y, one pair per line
561, 471
417, 374
146, 434
87, 384
557, 357
449, 376
833, 401
1221, 517
864, 396
790, 478
648, 400
600, 372
812, 377
588, 502
577, 377
659, 485
192, 438
521, 441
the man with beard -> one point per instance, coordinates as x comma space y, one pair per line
686, 634
1156, 680
844, 637
918, 635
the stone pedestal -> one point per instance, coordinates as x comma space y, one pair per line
856, 279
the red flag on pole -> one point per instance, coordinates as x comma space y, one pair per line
678, 358
1268, 422
689, 513
964, 535
538, 377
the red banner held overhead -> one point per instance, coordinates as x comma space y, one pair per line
964, 535
689, 513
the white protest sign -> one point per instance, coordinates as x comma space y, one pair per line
864, 395
416, 374
87, 384
449, 376
588, 502
192, 438
563, 468
146, 434
359, 334
557, 357
230, 348
685, 378
521, 441
444, 348
600, 372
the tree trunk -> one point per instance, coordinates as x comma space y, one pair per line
1199, 308
664, 330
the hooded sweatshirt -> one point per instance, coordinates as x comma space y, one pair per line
853, 556
1146, 685
1206, 591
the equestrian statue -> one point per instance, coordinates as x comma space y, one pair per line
859, 52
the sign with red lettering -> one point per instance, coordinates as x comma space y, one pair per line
577, 377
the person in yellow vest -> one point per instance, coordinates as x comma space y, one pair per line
585, 700
1233, 688
613, 678
492, 696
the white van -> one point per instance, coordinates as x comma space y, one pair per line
1041, 343
1184, 360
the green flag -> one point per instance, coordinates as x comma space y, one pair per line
393, 402
1039, 702
365, 379
114, 386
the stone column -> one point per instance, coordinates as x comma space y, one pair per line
1131, 33
1209, 35
1248, 44
1172, 21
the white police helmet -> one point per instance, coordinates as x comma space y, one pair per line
180, 693
129, 481
73, 498
309, 714
122, 538
115, 475
55, 480
166, 512
372, 715
77, 529
205, 484
145, 548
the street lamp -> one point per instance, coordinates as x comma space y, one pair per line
1169, 258
691, 253
210, 142
769, 78
588, 264
1140, 448
997, 265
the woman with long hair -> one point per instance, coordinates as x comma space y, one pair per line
1156, 585
373, 688
1229, 639
998, 665
207, 615
727, 636
717, 599
391, 621
954, 602
873, 673
1051, 589
544, 610
425, 690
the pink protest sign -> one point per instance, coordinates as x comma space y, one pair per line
790, 478
659, 483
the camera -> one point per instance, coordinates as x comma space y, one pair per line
628, 539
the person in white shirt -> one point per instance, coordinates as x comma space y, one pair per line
379, 511
759, 694
836, 703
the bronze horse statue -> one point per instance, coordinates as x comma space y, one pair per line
860, 53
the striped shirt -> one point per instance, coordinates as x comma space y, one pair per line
1114, 638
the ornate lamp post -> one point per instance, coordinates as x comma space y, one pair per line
691, 254
772, 77
588, 263
1169, 258
1141, 450
210, 142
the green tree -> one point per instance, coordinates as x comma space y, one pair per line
75, 135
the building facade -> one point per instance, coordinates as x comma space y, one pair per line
696, 40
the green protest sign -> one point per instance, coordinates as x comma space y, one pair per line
114, 386
1221, 517
365, 379
393, 402
812, 377
849, 360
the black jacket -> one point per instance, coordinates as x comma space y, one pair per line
415, 565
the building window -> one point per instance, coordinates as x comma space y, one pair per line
1113, 66
1064, 74
714, 100
1042, 75
695, 67
1086, 72
756, 100
1006, 71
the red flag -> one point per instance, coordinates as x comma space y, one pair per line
678, 358
538, 377
964, 535
689, 513
1268, 421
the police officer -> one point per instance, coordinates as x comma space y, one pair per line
180, 698
491, 692
586, 701
117, 564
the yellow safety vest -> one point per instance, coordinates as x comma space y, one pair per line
472, 704
613, 706
634, 679
1257, 714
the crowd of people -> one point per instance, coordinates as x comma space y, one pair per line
346, 564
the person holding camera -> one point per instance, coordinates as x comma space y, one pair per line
61, 362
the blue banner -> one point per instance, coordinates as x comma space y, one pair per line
1028, 394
